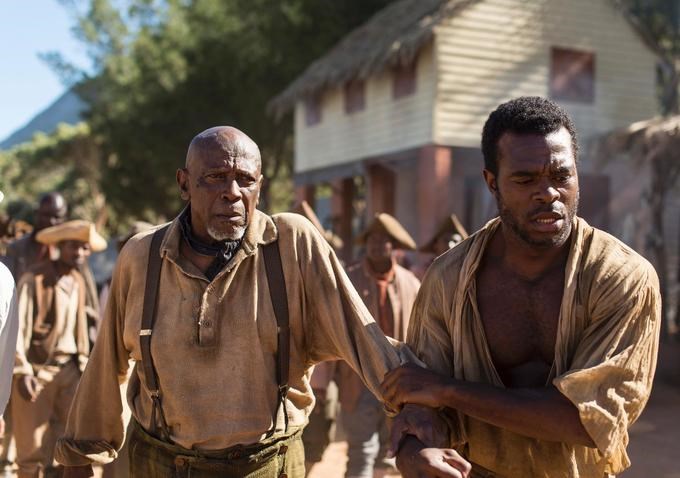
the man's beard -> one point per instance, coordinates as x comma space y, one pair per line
236, 233
511, 221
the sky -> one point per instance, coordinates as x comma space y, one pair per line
27, 84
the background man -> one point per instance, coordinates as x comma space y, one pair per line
220, 407
388, 290
53, 344
541, 332
27, 251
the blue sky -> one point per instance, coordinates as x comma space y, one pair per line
27, 85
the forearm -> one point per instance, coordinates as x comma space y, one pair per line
542, 413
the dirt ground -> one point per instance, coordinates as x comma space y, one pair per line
654, 447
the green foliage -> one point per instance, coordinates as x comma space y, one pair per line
166, 70
66, 160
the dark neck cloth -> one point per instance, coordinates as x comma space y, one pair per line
221, 251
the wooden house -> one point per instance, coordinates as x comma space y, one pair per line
400, 102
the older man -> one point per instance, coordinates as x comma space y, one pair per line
244, 304
541, 331
53, 344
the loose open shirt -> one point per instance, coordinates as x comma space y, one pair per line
214, 343
605, 352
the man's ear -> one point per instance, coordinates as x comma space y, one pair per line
260, 181
491, 183
182, 177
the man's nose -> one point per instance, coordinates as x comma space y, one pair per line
547, 193
232, 192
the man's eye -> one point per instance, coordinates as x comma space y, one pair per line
563, 178
523, 180
246, 181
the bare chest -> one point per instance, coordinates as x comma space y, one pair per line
520, 320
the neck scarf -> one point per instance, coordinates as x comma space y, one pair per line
222, 251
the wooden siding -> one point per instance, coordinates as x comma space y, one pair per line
385, 125
500, 49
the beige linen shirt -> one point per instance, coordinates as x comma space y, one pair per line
401, 291
605, 352
214, 343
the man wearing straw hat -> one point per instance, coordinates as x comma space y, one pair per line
53, 344
449, 233
389, 291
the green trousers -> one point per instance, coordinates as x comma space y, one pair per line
274, 458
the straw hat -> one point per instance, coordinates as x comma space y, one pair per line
451, 225
388, 224
303, 208
77, 230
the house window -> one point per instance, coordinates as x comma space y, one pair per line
572, 75
313, 110
404, 80
355, 96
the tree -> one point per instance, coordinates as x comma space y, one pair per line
660, 22
163, 71
71, 155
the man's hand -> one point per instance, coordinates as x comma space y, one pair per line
414, 460
412, 384
28, 387
423, 423
84, 471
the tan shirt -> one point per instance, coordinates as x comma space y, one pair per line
401, 294
214, 343
50, 318
605, 353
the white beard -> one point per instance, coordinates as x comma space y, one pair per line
221, 236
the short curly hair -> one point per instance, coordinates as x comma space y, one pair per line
524, 115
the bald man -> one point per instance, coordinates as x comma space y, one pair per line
221, 386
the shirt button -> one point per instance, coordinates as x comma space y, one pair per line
206, 323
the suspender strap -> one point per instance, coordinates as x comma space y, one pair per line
279, 298
153, 276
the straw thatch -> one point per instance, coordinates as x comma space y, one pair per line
392, 37
645, 141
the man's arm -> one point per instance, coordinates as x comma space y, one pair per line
95, 428
542, 413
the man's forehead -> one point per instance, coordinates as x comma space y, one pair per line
224, 156
535, 150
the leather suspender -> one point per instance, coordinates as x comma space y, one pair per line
153, 276
279, 298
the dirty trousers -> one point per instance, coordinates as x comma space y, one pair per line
153, 458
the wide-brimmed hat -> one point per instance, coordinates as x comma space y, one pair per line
76, 230
451, 225
388, 224
303, 208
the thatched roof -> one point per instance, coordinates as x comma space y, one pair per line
392, 37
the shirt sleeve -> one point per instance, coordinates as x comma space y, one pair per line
9, 327
94, 432
611, 375
25, 313
429, 338
337, 323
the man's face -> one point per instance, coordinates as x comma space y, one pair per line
379, 246
536, 187
223, 189
50, 212
73, 253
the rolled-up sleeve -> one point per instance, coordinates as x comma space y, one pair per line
611, 375
95, 427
